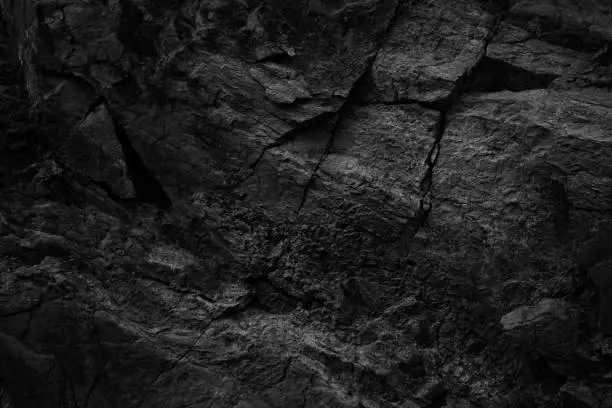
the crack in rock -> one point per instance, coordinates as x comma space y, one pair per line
146, 185
463, 85
103, 373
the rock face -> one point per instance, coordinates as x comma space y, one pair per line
548, 327
315, 203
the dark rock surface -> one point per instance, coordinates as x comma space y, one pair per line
248, 204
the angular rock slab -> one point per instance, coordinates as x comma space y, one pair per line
525, 167
374, 170
429, 50
548, 327
516, 60
242, 76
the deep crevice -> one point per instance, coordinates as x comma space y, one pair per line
147, 188
465, 84
280, 58
313, 174
434, 153
495, 76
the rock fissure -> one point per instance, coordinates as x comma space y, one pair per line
496, 76
313, 174
147, 188
293, 133
463, 85
350, 101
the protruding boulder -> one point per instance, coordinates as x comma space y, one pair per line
547, 328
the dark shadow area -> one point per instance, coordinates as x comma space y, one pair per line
549, 380
556, 32
147, 187
135, 33
280, 58
496, 7
496, 76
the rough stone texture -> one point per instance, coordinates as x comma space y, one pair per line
548, 327
255, 204
430, 50
522, 162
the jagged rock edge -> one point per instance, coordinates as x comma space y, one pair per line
462, 86
134, 163
319, 119
350, 100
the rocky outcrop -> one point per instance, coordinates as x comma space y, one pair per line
382, 203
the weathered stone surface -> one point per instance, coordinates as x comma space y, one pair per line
375, 169
241, 105
349, 197
429, 51
548, 327
566, 22
523, 168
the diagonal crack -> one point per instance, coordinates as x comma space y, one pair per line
173, 365
147, 186
463, 85
290, 136
322, 157
351, 99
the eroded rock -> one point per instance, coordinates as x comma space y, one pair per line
548, 328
